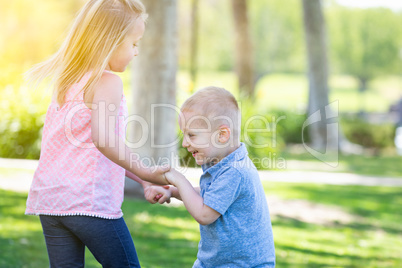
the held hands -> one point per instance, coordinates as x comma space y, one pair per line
160, 194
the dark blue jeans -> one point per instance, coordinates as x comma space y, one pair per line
109, 241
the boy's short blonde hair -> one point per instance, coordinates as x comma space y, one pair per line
218, 105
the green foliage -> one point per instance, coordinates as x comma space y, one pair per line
362, 42
290, 127
376, 136
365, 42
277, 33
260, 135
356, 130
215, 40
30, 32
22, 120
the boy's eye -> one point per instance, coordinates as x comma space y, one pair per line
135, 45
190, 135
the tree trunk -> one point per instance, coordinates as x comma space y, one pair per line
194, 44
243, 49
362, 101
154, 88
322, 138
325, 134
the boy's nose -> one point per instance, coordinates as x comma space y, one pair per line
185, 144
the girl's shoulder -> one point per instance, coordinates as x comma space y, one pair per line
109, 87
110, 80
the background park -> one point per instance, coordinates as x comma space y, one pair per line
334, 186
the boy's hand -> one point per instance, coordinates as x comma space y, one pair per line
159, 194
174, 177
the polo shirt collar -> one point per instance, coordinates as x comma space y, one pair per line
236, 155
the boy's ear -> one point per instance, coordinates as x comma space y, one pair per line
224, 133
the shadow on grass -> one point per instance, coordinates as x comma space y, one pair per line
374, 165
380, 206
21, 240
159, 242
382, 166
353, 260
168, 236
372, 239
164, 236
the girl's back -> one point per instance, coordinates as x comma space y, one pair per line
73, 177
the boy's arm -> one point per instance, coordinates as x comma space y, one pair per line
191, 198
175, 192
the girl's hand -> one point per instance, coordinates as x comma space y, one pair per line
160, 194
156, 174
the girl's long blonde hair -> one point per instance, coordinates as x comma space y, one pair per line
99, 28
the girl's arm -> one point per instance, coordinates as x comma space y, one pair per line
134, 177
104, 117
191, 198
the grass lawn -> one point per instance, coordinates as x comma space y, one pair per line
382, 166
168, 236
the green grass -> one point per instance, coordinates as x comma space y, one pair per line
382, 166
374, 239
168, 236
163, 236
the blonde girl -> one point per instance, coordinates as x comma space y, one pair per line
78, 186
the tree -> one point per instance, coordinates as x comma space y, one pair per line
324, 134
194, 43
365, 43
154, 87
315, 35
277, 36
243, 49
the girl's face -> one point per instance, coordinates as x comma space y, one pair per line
127, 50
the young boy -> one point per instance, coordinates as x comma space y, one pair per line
230, 203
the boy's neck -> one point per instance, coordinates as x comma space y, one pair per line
225, 153
232, 149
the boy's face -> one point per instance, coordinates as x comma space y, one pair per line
200, 137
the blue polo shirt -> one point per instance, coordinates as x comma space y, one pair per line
242, 235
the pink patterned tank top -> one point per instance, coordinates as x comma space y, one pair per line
73, 177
